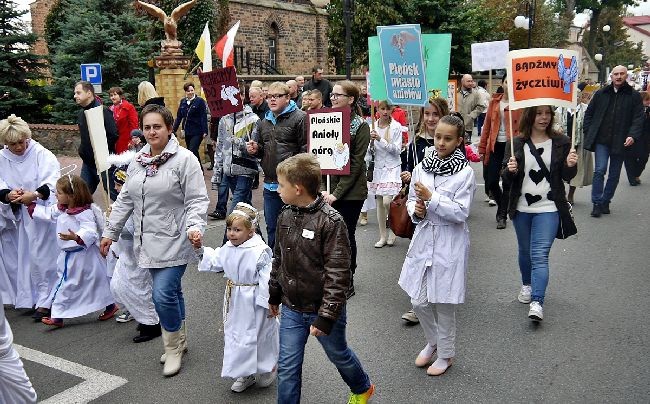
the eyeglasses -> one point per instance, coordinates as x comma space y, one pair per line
337, 95
276, 96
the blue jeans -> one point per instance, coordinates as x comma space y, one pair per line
90, 177
168, 296
602, 157
535, 235
241, 187
294, 331
272, 206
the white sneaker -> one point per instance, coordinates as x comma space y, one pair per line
411, 317
380, 243
125, 317
524, 294
266, 379
492, 202
487, 199
536, 313
242, 383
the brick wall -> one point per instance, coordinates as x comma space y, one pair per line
39, 10
59, 139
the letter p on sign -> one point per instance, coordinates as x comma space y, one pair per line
92, 72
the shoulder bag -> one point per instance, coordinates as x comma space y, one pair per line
399, 220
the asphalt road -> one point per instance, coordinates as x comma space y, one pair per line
592, 346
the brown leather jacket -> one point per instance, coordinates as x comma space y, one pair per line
311, 263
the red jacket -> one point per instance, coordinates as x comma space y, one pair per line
126, 118
493, 123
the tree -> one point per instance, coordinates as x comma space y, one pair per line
98, 31
20, 70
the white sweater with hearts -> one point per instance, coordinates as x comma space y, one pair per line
535, 188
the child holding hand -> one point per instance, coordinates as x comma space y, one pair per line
250, 354
434, 271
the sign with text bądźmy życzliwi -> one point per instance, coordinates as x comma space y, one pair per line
542, 77
403, 64
329, 139
221, 91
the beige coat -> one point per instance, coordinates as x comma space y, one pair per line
470, 107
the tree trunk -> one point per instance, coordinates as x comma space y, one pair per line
593, 30
222, 23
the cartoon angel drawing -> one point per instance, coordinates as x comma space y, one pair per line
229, 93
399, 41
341, 155
569, 75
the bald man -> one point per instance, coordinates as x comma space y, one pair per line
470, 105
294, 95
301, 83
613, 122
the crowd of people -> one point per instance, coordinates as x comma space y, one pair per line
63, 258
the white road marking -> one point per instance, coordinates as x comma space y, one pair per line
96, 383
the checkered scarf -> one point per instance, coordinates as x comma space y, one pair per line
447, 166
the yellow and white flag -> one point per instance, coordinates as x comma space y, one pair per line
204, 49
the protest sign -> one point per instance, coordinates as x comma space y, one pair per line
542, 77
221, 91
436, 50
452, 95
329, 139
489, 55
403, 64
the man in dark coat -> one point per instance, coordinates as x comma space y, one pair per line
613, 121
317, 82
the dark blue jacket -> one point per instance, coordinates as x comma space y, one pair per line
193, 117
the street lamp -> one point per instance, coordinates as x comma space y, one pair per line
347, 20
600, 57
527, 22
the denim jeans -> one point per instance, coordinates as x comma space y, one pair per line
241, 187
272, 206
294, 331
168, 296
535, 235
603, 156
88, 174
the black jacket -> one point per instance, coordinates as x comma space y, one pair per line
311, 262
324, 86
260, 110
559, 170
628, 117
85, 147
194, 117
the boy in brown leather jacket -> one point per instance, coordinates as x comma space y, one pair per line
310, 277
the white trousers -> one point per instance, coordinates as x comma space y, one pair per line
15, 386
438, 321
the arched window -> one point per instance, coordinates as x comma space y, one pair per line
273, 45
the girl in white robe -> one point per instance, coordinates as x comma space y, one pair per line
435, 268
82, 286
30, 172
251, 337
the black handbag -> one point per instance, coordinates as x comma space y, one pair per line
567, 226
371, 165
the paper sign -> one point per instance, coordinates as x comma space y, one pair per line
489, 55
542, 77
221, 91
452, 95
329, 139
436, 50
403, 64
97, 132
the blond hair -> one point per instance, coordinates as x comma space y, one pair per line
280, 86
249, 216
14, 129
146, 91
302, 169
257, 83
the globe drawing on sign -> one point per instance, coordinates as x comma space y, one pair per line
229, 93
341, 155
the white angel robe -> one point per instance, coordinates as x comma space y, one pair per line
82, 286
15, 386
251, 338
35, 264
8, 254
439, 249
131, 285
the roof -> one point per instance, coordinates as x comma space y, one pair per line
632, 22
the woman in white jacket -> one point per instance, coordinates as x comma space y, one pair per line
386, 144
434, 271
165, 191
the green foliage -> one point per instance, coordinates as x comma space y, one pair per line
18, 66
468, 21
99, 31
190, 27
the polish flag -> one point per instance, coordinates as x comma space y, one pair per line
224, 48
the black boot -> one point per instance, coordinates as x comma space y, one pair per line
596, 211
147, 333
604, 208
501, 223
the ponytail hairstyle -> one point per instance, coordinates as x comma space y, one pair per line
244, 212
455, 119
351, 90
76, 189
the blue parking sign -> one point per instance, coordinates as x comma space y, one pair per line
92, 72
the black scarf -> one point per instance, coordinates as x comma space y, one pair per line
450, 165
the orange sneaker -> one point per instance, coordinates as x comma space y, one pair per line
108, 314
363, 397
52, 321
